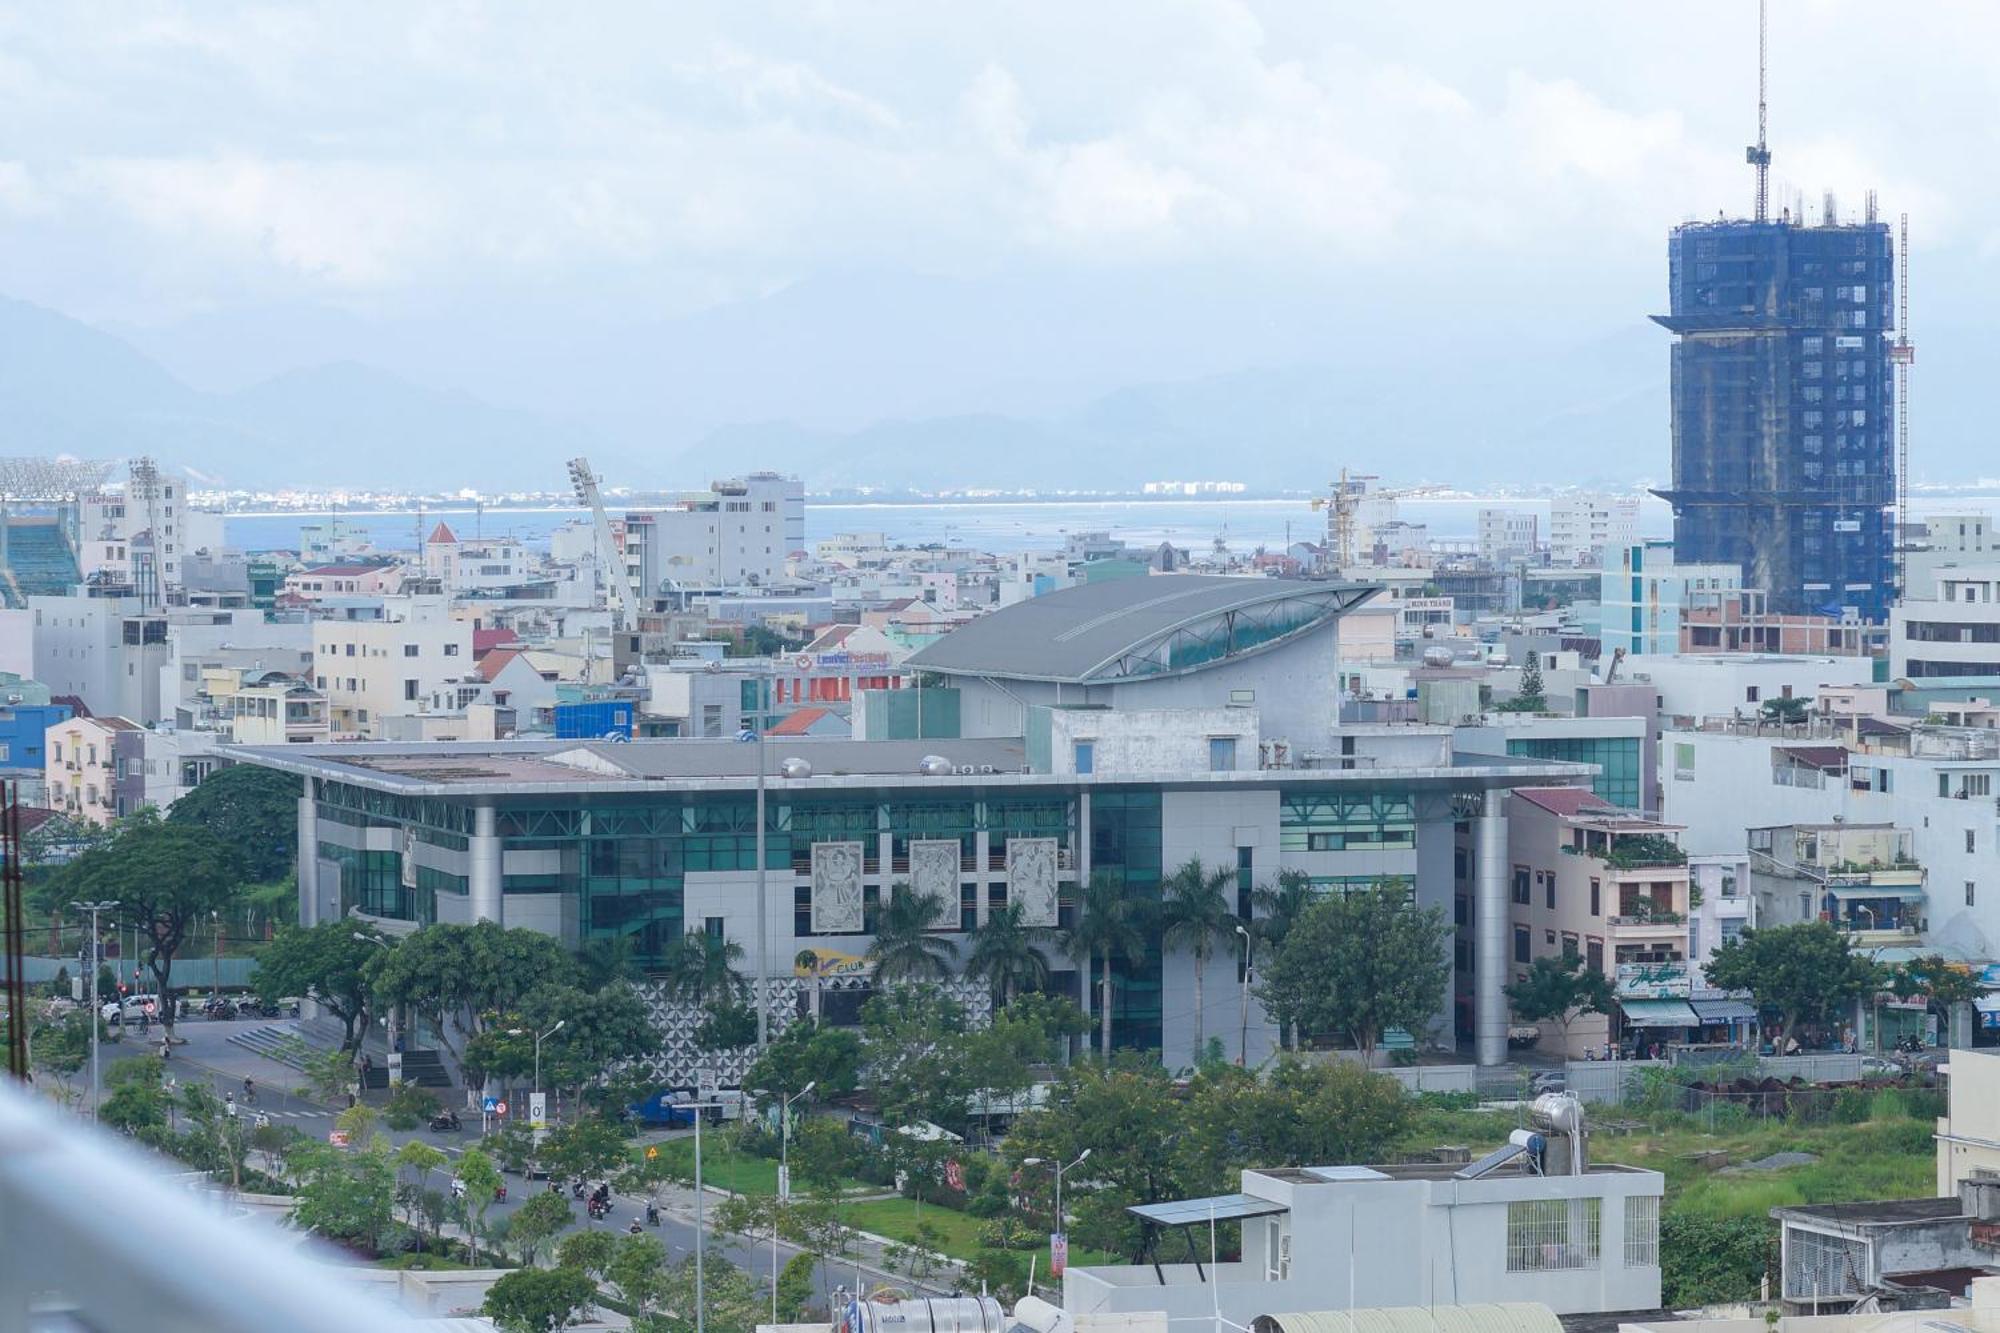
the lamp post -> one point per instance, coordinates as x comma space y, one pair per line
522, 1032
215, 929
95, 1017
700, 1218
784, 1181
394, 1027
1243, 1032
1060, 1167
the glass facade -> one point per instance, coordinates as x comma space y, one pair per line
1336, 822
1619, 778
1125, 843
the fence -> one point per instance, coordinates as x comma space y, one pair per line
192, 973
1436, 1078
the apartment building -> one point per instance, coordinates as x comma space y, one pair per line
104, 768
1950, 639
475, 567
1583, 526
740, 532
1641, 593
106, 651
323, 582
369, 670
1862, 878
1596, 882
1507, 534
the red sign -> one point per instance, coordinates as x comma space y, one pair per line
337, 1137
1058, 1253
954, 1175
500, 1108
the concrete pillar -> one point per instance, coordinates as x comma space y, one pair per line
484, 883
308, 859
1490, 921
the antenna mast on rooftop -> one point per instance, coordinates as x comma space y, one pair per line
1758, 155
1903, 354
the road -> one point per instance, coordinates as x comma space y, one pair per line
203, 1051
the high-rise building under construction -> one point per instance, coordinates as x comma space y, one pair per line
1784, 400
1784, 408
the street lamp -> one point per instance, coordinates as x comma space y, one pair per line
522, 1032
395, 1027
1060, 1168
784, 1180
1243, 1034
95, 964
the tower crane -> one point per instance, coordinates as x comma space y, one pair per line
1758, 154
1903, 355
1343, 506
621, 590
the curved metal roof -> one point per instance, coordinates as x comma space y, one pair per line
1128, 628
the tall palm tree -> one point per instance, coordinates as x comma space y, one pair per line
1006, 954
1196, 916
607, 959
701, 965
1108, 926
905, 949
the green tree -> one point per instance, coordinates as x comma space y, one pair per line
1007, 954
253, 810
701, 966
586, 1149
807, 1052
1358, 964
598, 1029
1299, 1114
461, 978
606, 959
481, 1178
1806, 972
587, 1251
165, 877
539, 1300
1559, 990
795, 1286
1714, 1260
1195, 916
823, 1153
325, 963
136, 1098
1529, 698
539, 1219
1785, 710
1108, 928
906, 947
60, 1043
913, 1038
1942, 983
420, 1157
726, 1025
346, 1194
735, 1301
638, 1269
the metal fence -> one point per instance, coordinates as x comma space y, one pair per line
1436, 1078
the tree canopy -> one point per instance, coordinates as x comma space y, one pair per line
253, 809
1559, 990
905, 949
462, 977
326, 963
1802, 973
1358, 964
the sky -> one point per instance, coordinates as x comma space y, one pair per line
1020, 205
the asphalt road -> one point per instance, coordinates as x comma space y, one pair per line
203, 1051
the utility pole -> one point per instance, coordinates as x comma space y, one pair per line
95, 1018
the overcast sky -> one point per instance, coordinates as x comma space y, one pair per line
246, 187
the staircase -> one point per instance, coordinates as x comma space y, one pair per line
280, 1042
39, 560
423, 1068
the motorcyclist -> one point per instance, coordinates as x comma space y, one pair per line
229, 1103
635, 1228
652, 1213
250, 1090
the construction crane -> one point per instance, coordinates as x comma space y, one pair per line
621, 590
1903, 354
1758, 154
1344, 507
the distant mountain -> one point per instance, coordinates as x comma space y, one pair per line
1458, 409
68, 388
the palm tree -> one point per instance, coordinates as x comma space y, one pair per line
1006, 954
1196, 916
701, 965
905, 949
607, 959
1107, 927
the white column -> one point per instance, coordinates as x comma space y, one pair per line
309, 914
1490, 917
484, 883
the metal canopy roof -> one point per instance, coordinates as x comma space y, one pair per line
1193, 1212
1120, 629
1659, 1014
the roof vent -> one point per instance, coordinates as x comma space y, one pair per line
795, 767
934, 766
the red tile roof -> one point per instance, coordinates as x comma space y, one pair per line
485, 641
798, 722
1568, 802
495, 662
442, 535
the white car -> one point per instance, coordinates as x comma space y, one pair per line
128, 1009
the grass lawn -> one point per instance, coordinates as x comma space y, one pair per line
725, 1168
959, 1232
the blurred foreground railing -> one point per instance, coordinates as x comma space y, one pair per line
94, 1236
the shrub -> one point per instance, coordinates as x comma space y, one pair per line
409, 1106
1710, 1261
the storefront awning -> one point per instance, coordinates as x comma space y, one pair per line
1909, 893
1988, 1003
1659, 1014
1723, 1011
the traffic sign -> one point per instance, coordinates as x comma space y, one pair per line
500, 1108
490, 1105
337, 1137
538, 1109
653, 1152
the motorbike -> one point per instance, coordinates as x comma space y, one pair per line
500, 1193
576, 1189
597, 1208
652, 1214
1910, 1044
445, 1122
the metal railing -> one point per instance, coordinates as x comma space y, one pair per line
67, 1260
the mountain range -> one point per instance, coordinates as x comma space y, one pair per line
1461, 411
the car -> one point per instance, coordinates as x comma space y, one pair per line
128, 1009
1549, 1080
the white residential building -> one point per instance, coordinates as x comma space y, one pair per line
1953, 635
105, 651
1641, 593
1507, 534
1948, 539
372, 669
472, 567
738, 533
1585, 525
99, 769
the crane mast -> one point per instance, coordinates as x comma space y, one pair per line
1758, 154
620, 591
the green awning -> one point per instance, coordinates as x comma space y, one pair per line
1659, 1014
